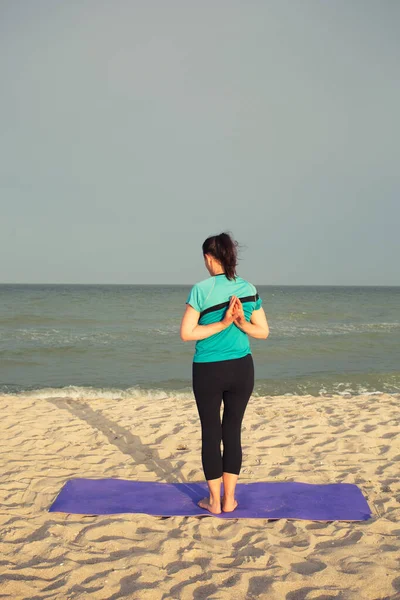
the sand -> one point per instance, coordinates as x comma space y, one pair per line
46, 441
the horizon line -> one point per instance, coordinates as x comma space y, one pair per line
188, 284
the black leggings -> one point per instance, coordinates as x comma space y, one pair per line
231, 381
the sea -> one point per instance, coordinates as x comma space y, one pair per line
119, 341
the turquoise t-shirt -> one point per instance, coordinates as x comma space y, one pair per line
210, 298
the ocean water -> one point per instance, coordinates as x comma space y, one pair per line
123, 340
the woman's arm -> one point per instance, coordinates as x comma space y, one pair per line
191, 331
257, 327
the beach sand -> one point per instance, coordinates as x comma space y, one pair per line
46, 441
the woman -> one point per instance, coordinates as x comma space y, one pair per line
221, 312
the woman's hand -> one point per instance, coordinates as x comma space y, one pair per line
232, 312
239, 314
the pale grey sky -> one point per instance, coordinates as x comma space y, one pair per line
132, 130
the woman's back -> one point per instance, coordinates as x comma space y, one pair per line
210, 297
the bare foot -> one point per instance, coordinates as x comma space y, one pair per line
229, 504
214, 508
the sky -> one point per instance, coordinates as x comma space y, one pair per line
130, 131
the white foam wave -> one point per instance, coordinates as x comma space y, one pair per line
287, 330
58, 337
166, 330
78, 393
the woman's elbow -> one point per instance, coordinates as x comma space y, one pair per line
185, 336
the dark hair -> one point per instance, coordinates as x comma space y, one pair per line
224, 249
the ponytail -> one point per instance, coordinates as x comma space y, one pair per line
224, 249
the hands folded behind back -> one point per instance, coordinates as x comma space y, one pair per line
234, 313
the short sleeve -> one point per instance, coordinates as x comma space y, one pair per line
194, 298
258, 302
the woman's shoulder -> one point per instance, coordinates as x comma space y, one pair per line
245, 283
204, 283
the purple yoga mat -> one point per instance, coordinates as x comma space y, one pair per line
258, 500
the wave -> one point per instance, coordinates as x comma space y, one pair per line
166, 330
285, 330
16, 320
82, 393
61, 338
76, 392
